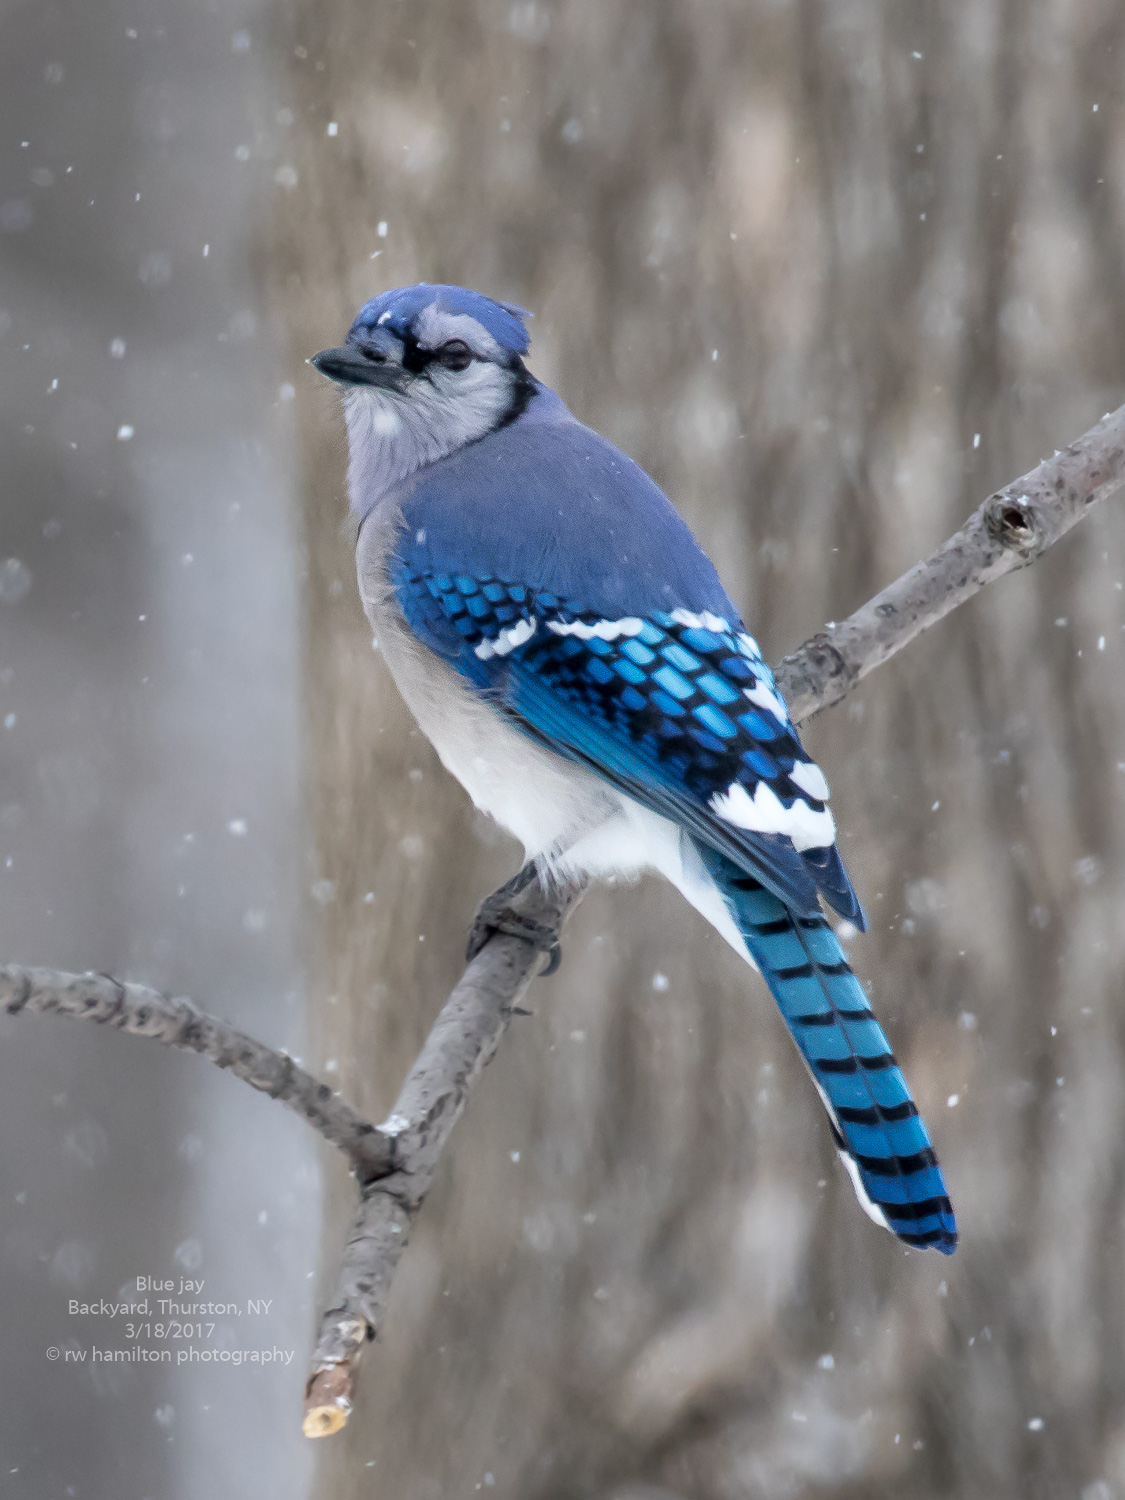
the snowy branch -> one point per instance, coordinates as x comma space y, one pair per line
395, 1162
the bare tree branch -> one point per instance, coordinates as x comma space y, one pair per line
1012, 528
395, 1161
139, 1011
462, 1041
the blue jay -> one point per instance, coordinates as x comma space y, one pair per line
564, 643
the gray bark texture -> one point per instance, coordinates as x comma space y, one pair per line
795, 259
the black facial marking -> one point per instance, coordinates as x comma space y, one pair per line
453, 355
523, 388
456, 355
414, 359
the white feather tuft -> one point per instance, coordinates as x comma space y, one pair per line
705, 621
763, 696
507, 640
810, 778
602, 630
764, 812
871, 1209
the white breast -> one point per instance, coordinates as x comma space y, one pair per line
547, 803
568, 819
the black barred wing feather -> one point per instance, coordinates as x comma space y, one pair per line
677, 709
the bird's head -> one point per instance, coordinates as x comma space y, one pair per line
425, 370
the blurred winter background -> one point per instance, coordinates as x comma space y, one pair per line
831, 272
150, 819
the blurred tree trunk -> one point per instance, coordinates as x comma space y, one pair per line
148, 665
794, 258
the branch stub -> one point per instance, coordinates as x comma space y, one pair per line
1013, 521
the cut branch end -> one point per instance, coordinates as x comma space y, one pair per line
328, 1401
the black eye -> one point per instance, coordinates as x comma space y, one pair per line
456, 355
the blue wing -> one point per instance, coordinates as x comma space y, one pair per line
552, 573
676, 709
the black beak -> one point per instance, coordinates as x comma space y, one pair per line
348, 365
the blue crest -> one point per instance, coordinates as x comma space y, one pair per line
503, 320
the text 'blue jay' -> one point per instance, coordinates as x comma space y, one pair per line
564, 643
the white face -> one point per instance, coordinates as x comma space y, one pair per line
448, 388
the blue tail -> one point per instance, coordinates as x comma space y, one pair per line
879, 1132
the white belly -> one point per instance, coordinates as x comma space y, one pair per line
533, 793
569, 821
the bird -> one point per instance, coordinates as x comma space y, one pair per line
569, 650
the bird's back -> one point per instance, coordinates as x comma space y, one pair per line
558, 507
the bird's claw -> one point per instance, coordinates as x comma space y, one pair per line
497, 914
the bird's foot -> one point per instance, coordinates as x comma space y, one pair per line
499, 913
